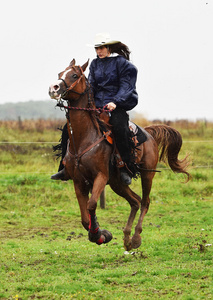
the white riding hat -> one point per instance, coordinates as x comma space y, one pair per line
102, 39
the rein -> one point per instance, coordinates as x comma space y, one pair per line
98, 110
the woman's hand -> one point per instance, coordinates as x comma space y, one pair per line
111, 106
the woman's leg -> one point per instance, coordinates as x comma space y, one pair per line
120, 127
120, 121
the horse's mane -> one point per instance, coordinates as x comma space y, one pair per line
91, 104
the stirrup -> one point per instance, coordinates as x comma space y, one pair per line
59, 176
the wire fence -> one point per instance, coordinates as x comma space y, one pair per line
53, 142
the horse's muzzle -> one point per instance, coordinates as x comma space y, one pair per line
55, 91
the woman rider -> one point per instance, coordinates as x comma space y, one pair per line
113, 80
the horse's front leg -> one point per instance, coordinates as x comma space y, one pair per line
82, 194
96, 235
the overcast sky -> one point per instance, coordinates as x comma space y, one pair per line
171, 43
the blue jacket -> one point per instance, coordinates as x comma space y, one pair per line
113, 79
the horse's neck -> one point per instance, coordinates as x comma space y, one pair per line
82, 126
80, 121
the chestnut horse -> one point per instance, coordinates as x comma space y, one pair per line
88, 160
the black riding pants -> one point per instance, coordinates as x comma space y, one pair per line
120, 127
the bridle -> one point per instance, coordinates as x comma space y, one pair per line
87, 90
71, 87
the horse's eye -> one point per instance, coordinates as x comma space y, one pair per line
75, 76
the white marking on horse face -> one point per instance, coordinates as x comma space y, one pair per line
58, 82
65, 74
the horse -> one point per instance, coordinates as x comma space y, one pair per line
88, 160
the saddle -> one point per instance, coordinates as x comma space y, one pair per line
137, 134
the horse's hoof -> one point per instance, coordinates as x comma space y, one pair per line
127, 244
94, 237
107, 235
128, 247
136, 241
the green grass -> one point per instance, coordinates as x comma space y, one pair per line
45, 252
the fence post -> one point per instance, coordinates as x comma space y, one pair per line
20, 122
103, 200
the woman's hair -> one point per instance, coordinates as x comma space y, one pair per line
120, 49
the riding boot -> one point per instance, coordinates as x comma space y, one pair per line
59, 176
124, 176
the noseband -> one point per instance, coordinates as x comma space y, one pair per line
71, 87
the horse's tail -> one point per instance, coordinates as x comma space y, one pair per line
169, 143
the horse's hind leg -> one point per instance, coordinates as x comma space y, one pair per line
134, 201
146, 188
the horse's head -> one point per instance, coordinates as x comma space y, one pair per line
71, 83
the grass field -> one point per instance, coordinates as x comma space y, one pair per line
45, 252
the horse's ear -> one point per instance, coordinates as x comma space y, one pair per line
72, 63
85, 65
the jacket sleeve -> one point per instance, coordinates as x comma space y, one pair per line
126, 96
